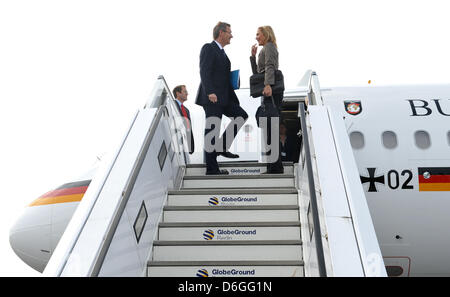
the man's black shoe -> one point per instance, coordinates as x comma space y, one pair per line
220, 172
272, 171
228, 155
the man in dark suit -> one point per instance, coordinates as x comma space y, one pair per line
217, 97
180, 93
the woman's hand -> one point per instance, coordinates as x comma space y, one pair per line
254, 49
267, 91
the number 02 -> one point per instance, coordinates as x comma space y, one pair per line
394, 179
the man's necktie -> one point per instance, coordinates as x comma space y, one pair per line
185, 115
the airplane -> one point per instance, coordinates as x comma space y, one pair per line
400, 139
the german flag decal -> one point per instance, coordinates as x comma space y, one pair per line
71, 192
434, 179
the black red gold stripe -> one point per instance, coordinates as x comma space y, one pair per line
81, 183
71, 192
434, 179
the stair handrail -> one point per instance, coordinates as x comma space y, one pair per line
313, 198
161, 98
314, 93
61, 257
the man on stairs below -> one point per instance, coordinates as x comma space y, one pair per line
180, 93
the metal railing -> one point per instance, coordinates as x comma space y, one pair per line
160, 99
313, 198
72, 258
126, 194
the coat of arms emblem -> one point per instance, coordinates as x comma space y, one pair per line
353, 107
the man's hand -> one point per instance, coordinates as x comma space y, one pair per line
212, 98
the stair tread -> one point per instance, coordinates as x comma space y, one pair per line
231, 176
225, 263
249, 190
230, 224
233, 207
236, 164
224, 242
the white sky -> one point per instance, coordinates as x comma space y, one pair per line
73, 72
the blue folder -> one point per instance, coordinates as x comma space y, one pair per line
235, 79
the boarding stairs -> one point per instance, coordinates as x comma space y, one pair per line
149, 211
243, 224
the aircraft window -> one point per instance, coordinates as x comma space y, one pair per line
394, 270
389, 139
139, 222
422, 139
357, 140
162, 156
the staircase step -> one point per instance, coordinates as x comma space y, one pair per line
225, 269
230, 251
230, 233
249, 190
230, 224
225, 243
229, 199
152, 263
238, 168
239, 181
238, 164
231, 214
231, 207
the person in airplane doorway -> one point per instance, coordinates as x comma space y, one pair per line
180, 93
268, 64
217, 97
286, 144
290, 144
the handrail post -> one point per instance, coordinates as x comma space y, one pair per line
313, 200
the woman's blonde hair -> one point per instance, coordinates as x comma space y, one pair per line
267, 31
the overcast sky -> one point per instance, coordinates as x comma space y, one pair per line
72, 73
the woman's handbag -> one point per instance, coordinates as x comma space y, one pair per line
266, 110
257, 84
